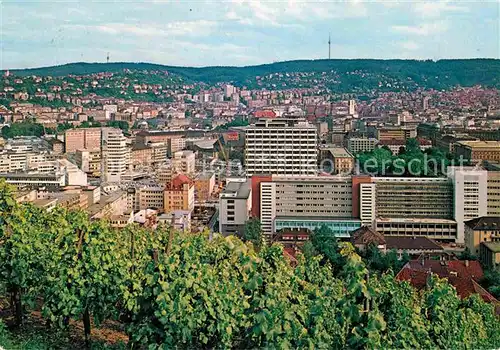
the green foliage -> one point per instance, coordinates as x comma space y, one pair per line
120, 124
410, 161
380, 262
25, 128
253, 232
440, 74
85, 273
233, 123
185, 291
491, 282
467, 255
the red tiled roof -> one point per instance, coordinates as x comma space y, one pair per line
460, 274
178, 181
265, 113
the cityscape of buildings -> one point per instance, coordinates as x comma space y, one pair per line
289, 158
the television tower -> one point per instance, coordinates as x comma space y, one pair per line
329, 46
107, 58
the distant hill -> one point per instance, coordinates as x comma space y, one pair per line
463, 72
360, 77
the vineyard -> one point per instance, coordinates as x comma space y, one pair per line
167, 290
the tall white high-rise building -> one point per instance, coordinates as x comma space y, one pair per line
115, 154
471, 195
352, 107
281, 147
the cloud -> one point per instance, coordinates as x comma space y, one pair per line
178, 28
410, 45
436, 8
290, 13
425, 29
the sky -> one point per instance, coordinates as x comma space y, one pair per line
243, 32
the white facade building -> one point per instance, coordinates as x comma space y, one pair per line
115, 154
361, 144
470, 195
235, 203
281, 147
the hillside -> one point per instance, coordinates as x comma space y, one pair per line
345, 73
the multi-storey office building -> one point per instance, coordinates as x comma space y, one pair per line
281, 147
307, 202
115, 154
361, 144
494, 193
433, 207
184, 162
414, 197
409, 206
470, 195
478, 151
179, 194
85, 138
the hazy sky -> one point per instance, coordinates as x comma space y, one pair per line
243, 32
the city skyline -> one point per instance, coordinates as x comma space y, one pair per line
239, 33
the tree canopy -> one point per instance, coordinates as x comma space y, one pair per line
171, 289
410, 161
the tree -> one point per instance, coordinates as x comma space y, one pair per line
25, 128
253, 232
412, 145
85, 275
120, 124
491, 282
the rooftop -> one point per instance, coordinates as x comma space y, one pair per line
416, 221
408, 243
237, 189
318, 218
484, 223
178, 181
339, 152
492, 246
495, 145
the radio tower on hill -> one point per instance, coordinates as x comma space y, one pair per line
329, 46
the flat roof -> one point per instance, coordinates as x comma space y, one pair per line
484, 144
493, 246
237, 189
339, 152
316, 218
416, 221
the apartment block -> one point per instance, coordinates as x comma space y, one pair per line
361, 144
478, 151
281, 147
394, 133
235, 204
490, 255
115, 154
179, 194
480, 230
150, 197
470, 195
204, 185
84, 138
184, 162
141, 156
88, 161
336, 160
493, 193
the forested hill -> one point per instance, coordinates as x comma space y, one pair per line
426, 74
